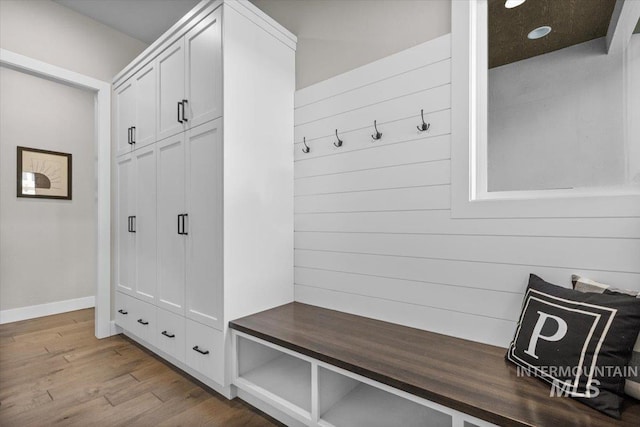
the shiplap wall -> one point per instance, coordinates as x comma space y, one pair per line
373, 229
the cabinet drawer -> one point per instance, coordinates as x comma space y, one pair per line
205, 351
143, 320
123, 311
170, 334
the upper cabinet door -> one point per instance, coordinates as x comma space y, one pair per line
170, 65
125, 116
203, 84
204, 191
144, 132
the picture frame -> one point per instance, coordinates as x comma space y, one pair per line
43, 174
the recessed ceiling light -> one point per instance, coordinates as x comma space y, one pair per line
510, 4
539, 32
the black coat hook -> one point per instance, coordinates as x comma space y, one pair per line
338, 143
424, 126
306, 148
377, 135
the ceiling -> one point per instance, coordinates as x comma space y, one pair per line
144, 20
572, 22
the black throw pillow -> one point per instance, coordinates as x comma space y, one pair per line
580, 343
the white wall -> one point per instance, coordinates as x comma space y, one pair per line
60, 236
47, 247
335, 36
373, 229
52, 33
558, 120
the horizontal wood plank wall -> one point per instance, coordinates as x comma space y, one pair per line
373, 229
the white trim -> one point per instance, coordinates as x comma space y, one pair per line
115, 329
41, 310
623, 21
468, 118
102, 141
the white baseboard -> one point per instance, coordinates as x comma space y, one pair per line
33, 311
115, 329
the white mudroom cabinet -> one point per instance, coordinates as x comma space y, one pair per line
204, 184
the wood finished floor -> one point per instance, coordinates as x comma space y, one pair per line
53, 371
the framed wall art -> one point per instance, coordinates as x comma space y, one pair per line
43, 174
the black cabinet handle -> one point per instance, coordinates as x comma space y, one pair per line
131, 228
129, 136
121, 311
184, 217
143, 322
184, 107
181, 224
180, 105
201, 351
168, 335
133, 134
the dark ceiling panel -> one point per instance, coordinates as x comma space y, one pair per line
572, 22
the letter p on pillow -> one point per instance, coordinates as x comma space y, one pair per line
536, 335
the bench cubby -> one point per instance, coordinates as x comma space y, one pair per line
318, 394
345, 401
275, 374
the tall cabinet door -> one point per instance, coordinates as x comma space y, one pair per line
145, 223
204, 204
125, 261
170, 66
171, 205
145, 114
203, 83
125, 116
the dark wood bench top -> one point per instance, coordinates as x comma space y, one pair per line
464, 375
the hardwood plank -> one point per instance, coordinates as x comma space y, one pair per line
470, 377
38, 324
205, 413
57, 372
175, 405
155, 384
110, 415
82, 391
24, 401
